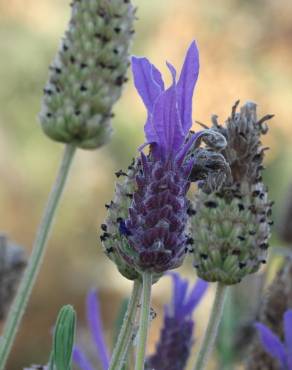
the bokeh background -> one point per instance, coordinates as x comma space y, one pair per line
246, 54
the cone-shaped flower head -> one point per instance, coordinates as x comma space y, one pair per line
282, 351
155, 229
88, 72
97, 335
231, 223
176, 337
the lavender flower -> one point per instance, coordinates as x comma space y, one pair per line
176, 339
95, 326
155, 228
282, 351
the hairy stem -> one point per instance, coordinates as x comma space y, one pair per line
25, 288
125, 336
144, 321
212, 329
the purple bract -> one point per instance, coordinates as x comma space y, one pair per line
158, 214
95, 326
273, 345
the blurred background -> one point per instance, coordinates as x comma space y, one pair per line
246, 54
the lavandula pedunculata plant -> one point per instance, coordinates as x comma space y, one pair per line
176, 337
85, 80
148, 237
230, 227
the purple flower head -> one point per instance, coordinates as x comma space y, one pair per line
282, 351
176, 338
95, 326
155, 227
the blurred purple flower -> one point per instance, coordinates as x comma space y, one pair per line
157, 217
95, 326
273, 345
176, 338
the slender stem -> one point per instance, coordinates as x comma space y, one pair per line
212, 329
144, 321
125, 336
25, 288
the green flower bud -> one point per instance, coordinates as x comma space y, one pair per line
88, 72
118, 211
64, 336
230, 226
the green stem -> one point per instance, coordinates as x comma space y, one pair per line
144, 321
25, 288
125, 336
212, 329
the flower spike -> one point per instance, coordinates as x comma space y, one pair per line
176, 339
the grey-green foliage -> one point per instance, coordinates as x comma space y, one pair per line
63, 342
88, 73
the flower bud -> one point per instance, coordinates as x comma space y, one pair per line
88, 72
231, 225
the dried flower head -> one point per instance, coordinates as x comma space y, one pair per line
88, 72
275, 303
231, 225
176, 338
12, 264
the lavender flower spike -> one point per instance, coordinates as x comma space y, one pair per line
176, 338
273, 345
155, 228
95, 326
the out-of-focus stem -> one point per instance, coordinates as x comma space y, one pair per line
25, 288
144, 321
212, 328
125, 336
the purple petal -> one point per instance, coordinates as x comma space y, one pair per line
95, 325
186, 85
195, 296
147, 80
172, 71
156, 75
180, 287
288, 331
166, 122
81, 360
271, 343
